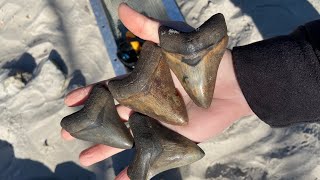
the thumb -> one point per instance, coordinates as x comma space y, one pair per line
140, 25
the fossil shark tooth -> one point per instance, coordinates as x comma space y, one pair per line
98, 121
150, 90
158, 148
195, 56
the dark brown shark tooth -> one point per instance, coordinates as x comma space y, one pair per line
158, 148
150, 90
98, 121
195, 56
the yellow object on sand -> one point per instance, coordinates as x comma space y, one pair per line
135, 46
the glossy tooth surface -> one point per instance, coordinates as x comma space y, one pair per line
150, 90
195, 56
98, 121
158, 148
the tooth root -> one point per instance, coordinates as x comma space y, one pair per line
98, 121
195, 57
150, 90
158, 148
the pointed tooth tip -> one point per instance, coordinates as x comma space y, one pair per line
178, 123
182, 120
199, 156
64, 124
198, 153
203, 101
67, 124
125, 145
121, 142
128, 143
201, 153
205, 105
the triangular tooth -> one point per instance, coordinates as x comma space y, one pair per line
150, 90
158, 148
98, 121
195, 56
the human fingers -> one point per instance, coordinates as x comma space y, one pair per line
97, 153
78, 96
138, 24
65, 135
75, 98
123, 175
206, 123
124, 112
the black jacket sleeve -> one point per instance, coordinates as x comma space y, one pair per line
280, 77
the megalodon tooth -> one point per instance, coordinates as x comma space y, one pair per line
150, 90
158, 148
195, 56
98, 121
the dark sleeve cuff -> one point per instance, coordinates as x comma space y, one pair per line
280, 77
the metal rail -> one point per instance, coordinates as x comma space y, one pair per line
101, 12
108, 37
173, 10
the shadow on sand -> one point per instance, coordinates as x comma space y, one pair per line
16, 169
277, 17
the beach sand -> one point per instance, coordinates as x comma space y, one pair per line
47, 49
50, 47
250, 149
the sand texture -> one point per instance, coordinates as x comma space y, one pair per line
250, 149
49, 47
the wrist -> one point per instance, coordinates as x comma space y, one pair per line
235, 91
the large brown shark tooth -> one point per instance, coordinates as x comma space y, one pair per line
158, 148
150, 90
98, 121
195, 56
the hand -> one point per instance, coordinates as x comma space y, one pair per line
228, 103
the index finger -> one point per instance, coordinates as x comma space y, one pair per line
78, 96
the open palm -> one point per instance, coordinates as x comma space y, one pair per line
228, 103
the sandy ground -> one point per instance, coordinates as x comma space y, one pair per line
47, 49
50, 47
251, 149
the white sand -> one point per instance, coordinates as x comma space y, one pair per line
57, 46
250, 149
32, 90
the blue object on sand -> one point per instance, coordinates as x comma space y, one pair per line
111, 28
